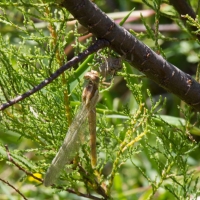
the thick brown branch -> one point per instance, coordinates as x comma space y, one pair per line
137, 54
183, 8
99, 44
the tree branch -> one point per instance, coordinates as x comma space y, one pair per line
40, 180
136, 53
99, 44
183, 8
19, 167
6, 182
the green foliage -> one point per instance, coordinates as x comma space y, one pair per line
193, 22
143, 151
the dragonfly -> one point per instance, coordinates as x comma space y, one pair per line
75, 135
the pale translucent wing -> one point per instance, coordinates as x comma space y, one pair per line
71, 143
69, 147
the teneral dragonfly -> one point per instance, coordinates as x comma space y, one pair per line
75, 134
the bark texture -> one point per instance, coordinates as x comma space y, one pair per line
135, 52
183, 8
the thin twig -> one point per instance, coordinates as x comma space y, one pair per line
89, 196
18, 166
6, 182
99, 188
99, 44
30, 174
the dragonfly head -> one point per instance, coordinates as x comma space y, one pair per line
91, 89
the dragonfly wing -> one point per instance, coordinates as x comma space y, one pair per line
71, 142
69, 147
